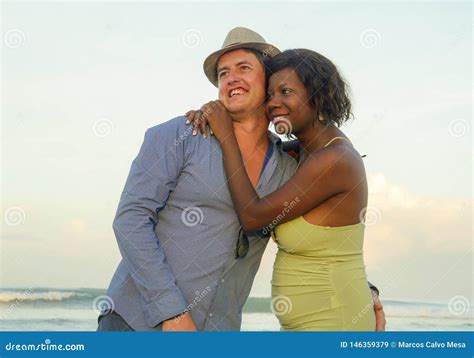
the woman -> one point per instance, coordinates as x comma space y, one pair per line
319, 275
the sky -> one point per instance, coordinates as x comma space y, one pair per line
82, 81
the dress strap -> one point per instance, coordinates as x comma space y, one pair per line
332, 140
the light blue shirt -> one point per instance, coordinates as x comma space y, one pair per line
177, 230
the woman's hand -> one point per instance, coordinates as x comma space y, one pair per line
219, 120
198, 121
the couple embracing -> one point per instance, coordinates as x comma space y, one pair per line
180, 274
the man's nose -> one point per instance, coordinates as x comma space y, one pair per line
233, 77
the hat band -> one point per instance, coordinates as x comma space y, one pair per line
235, 43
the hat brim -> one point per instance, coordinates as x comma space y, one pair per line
210, 62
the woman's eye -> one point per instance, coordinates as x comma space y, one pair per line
269, 97
286, 91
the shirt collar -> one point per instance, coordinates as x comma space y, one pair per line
276, 140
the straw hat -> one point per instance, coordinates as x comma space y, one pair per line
237, 38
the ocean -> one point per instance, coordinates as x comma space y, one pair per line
47, 309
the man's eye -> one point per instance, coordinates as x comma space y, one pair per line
245, 67
222, 74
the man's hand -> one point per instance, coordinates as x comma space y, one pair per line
180, 323
380, 321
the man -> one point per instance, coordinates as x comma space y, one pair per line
176, 226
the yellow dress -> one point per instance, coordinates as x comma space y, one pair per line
319, 281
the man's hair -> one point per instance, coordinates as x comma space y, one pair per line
328, 92
262, 58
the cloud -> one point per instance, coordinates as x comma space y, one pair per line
408, 237
409, 223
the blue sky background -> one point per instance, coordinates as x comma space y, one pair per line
81, 82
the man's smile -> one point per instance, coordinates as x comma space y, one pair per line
237, 91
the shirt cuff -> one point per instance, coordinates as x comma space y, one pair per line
164, 308
372, 287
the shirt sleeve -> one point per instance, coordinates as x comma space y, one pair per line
153, 175
372, 287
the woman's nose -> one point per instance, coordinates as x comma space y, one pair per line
272, 103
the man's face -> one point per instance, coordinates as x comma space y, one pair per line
241, 81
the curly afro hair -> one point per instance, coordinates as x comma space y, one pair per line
328, 92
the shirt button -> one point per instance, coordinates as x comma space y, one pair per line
222, 280
210, 314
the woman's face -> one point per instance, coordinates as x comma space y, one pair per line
288, 105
